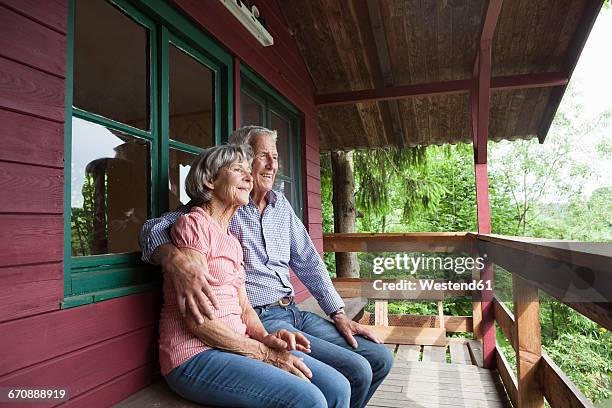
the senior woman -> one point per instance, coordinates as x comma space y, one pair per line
231, 360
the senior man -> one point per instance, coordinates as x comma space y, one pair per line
273, 240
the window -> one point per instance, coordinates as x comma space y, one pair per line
147, 92
261, 105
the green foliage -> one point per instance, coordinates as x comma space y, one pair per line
534, 190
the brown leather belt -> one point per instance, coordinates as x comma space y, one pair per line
283, 302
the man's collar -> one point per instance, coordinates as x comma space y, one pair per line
271, 198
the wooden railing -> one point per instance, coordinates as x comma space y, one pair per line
577, 274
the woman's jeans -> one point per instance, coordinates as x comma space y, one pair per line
365, 367
225, 379
219, 378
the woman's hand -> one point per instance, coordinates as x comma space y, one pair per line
286, 362
286, 340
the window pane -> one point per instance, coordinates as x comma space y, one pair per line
180, 163
191, 100
286, 187
111, 74
251, 111
282, 144
110, 187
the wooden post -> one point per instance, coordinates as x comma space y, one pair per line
529, 347
343, 185
381, 313
441, 313
236, 73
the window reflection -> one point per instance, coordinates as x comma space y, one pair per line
111, 59
109, 189
191, 100
251, 110
180, 164
282, 143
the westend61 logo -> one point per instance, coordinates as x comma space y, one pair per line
413, 264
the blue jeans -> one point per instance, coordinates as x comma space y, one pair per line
219, 378
365, 367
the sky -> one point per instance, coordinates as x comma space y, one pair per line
591, 90
593, 79
594, 69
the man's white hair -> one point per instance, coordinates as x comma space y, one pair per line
243, 135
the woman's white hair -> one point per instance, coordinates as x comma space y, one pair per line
208, 166
243, 135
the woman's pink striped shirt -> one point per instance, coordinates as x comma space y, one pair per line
198, 231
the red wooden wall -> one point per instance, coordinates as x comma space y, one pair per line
282, 66
101, 352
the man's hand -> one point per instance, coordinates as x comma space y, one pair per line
348, 328
286, 361
190, 278
286, 340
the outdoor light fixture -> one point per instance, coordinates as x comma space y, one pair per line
248, 17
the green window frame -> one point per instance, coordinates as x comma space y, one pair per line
94, 278
273, 102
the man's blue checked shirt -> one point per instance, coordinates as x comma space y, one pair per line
272, 243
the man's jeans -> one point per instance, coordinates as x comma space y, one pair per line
365, 367
219, 378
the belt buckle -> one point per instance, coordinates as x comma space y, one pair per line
284, 302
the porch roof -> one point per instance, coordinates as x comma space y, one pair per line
390, 72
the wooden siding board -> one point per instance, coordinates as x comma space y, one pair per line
51, 13
84, 369
313, 185
38, 338
318, 243
314, 200
27, 90
32, 289
32, 44
31, 189
28, 239
31, 140
315, 216
312, 155
112, 392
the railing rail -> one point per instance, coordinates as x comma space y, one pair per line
577, 274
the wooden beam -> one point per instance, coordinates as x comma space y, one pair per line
452, 324
559, 390
524, 81
507, 376
589, 15
371, 288
411, 335
384, 60
398, 242
528, 342
587, 289
505, 321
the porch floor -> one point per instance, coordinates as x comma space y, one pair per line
432, 376
422, 376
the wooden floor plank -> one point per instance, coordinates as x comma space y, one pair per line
475, 348
434, 353
391, 347
433, 366
449, 384
433, 403
460, 354
408, 352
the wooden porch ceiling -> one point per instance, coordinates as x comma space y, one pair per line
412, 61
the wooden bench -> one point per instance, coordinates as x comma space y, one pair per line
159, 395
